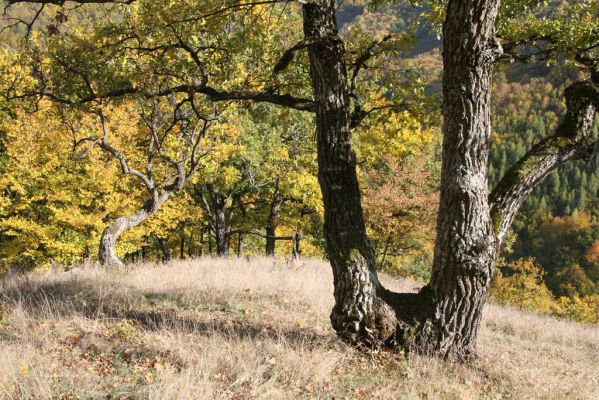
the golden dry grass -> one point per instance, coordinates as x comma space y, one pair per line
257, 329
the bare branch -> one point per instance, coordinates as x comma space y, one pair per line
362, 59
289, 54
149, 184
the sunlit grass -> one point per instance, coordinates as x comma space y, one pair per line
239, 329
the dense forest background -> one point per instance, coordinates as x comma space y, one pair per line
256, 189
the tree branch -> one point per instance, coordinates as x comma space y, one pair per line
122, 160
62, 2
289, 54
213, 94
571, 141
363, 58
260, 234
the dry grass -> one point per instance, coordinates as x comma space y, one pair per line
214, 329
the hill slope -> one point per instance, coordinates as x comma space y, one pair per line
237, 329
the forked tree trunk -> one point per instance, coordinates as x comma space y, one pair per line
443, 318
221, 232
354, 315
471, 224
107, 251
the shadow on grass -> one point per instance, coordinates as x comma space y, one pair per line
146, 309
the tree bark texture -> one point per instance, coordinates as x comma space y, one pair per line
354, 315
443, 318
471, 224
465, 248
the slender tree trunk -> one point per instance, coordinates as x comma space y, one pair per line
296, 245
385, 252
273, 218
182, 246
221, 232
354, 315
239, 244
163, 245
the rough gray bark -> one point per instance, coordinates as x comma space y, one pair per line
471, 225
465, 247
442, 319
354, 315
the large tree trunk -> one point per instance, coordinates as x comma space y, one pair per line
466, 248
107, 251
356, 310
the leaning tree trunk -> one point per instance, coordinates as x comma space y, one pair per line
107, 251
466, 248
356, 310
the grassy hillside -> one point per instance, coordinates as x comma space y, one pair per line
236, 329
